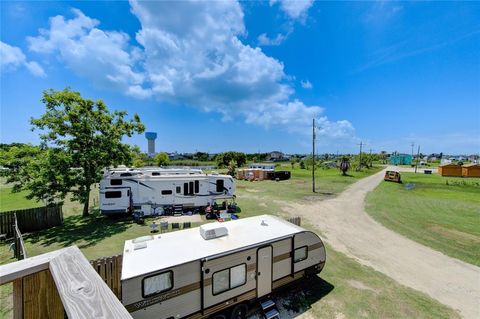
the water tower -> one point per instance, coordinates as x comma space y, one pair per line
151, 137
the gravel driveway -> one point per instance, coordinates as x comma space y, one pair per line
346, 226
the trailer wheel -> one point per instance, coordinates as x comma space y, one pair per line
239, 311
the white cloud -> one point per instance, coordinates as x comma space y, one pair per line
264, 40
12, 58
187, 56
105, 57
295, 9
306, 84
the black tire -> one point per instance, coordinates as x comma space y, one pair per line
239, 311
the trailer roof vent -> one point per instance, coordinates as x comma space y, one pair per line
211, 231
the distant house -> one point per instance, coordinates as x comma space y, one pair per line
174, 156
276, 156
332, 164
401, 159
471, 170
452, 170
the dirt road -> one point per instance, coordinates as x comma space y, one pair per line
348, 228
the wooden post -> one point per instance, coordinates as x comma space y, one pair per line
18, 298
313, 156
40, 297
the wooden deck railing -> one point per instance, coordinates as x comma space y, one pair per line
19, 252
59, 282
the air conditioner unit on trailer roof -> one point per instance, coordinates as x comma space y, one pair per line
214, 230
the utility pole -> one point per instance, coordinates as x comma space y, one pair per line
313, 155
418, 155
360, 156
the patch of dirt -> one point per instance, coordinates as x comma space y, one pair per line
262, 204
360, 285
454, 234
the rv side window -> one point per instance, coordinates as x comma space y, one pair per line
220, 185
238, 276
115, 182
167, 192
197, 187
185, 188
116, 194
179, 189
230, 278
157, 283
221, 281
300, 254
155, 173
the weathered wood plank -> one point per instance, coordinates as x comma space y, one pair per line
18, 299
82, 290
25, 267
40, 297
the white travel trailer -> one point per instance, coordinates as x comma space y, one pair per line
124, 190
216, 269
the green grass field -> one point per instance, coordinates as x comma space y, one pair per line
12, 201
345, 289
439, 212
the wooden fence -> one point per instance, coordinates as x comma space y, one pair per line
29, 220
20, 252
110, 270
295, 220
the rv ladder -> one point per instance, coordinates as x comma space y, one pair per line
177, 210
269, 308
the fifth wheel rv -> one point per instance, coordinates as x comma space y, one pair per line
217, 270
149, 189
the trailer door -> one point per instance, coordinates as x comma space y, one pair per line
264, 271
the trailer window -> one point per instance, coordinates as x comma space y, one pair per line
238, 276
116, 182
197, 187
167, 192
185, 189
116, 194
155, 173
157, 283
179, 189
229, 278
191, 188
300, 254
221, 281
220, 185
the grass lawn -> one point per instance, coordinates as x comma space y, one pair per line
439, 212
328, 183
345, 288
12, 201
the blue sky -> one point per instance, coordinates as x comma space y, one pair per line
250, 76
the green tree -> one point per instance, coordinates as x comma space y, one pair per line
161, 159
87, 135
201, 156
231, 168
38, 171
139, 159
344, 165
223, 159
